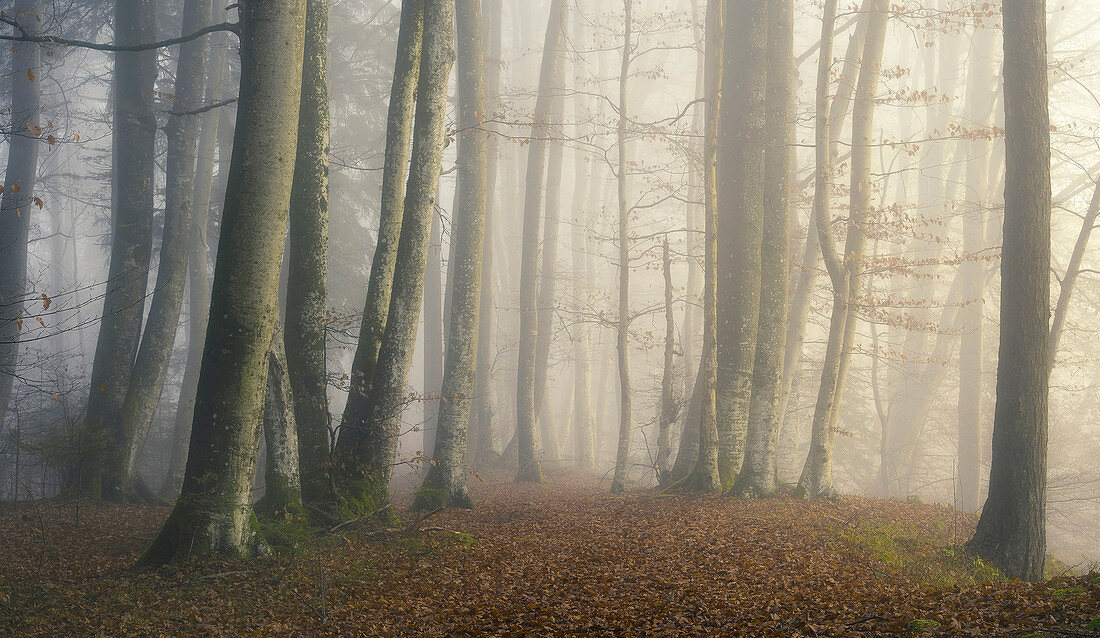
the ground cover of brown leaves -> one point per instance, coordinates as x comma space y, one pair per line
553, 560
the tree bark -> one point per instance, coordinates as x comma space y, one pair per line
551, 75
16, 203
307, 296
445, 485
1011, 532
151, 367
757, 476
369, 437
282, 498
433, 333
669, 409
214, 510
132, 166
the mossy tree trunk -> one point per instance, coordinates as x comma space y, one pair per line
369, 437
1011, 532
307, 296
445, 485
551, 75
757, 476
157, 340
214, 511
16, 203
282, 479
132, 165
399, 127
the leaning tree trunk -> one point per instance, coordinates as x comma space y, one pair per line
705, 475
307, 295
550, 76
282, 498
16, 203
198, 274
741, 200
399, 127
368, 440
622, 342
159, 336
445, 485
817, 475
1011, 532
132, 165
757, 477
214, 510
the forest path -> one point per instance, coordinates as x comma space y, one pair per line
563, 558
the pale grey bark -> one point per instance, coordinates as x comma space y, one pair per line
157, 340
132, 166
282, 481
669, 407
307, 272
433, 335
445, 485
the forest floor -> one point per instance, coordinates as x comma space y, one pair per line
559, 559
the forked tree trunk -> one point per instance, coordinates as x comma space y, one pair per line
214, 510
159, 336
445, 485
399, 128
132, 165
1011, 532
551, 75
369, 437
307, 296
622, 454
16, 203
757, 476
741, 200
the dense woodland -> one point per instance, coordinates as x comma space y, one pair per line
610, 317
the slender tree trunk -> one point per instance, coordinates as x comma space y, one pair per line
669, 408
445, 485
214, 510
157, 341
16, 203
741, 200
198, 274
131, 240
1011, 532
757, 477
484, 425
307, 296
1073, 271
399, 128
622, 454
282, 482
551, 75
370, 437
433, 334
846, 271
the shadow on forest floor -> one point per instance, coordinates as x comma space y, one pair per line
559, 559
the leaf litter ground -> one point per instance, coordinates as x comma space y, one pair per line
553, 560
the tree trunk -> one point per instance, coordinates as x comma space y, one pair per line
551, 75
757, 477
669, 408
132, 166
445, 485
16, 203
1011, 532
159, 336
369, 437
846, 271
282, 482
198, 274
399, 128
214, 510
741, 200
622, 454
307, 297
433, 334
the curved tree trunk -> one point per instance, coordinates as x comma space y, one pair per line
214, 510
369, 437
307, 295
159, 336
135, 127
445, 485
